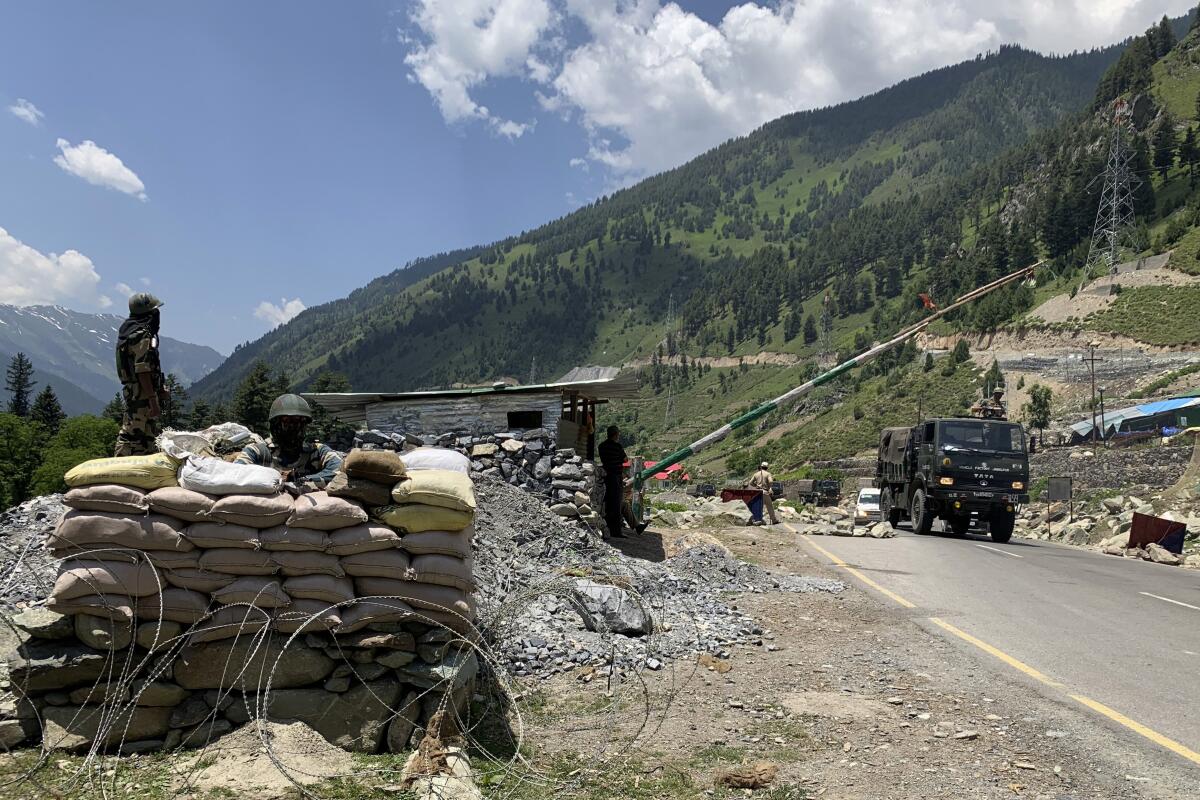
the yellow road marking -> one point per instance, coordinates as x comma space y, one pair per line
1021, 666
1016, 664
886, 592
1139, 728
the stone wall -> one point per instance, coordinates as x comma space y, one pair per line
1112, 468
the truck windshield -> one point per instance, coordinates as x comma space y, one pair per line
987, 437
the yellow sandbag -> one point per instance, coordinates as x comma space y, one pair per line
145, 472
437, 487
417, 517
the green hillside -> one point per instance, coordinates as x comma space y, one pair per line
811, 237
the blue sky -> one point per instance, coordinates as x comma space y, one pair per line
291, 151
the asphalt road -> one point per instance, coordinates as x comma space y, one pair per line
1117, 637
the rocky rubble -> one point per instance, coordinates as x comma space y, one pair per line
27, 571
1142, 468
703, 512
1105, 526
554, 598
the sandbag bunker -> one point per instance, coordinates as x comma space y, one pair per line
194, 595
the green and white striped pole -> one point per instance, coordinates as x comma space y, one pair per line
766, 408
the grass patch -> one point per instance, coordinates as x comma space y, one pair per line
1161, 315
1165, 381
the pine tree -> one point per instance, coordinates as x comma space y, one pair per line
173, 416
791, 326
1189, 153
252, 400
47, 410
928, 362
200, 416
324, 426
810, 329
115, 410
994, 377
1037, 410
1164, 147
1165, 39
221, 414
19, 382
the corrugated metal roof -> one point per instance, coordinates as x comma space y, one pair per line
1168, 405
598, 383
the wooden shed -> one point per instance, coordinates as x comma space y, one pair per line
565, 408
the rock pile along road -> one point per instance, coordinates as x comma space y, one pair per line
1117, 642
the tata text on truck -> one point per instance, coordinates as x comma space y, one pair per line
956, 470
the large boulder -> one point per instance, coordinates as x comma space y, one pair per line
353, 720
455, 671
610, 608
248, 664
42, 623
881, 530
1161, 555
78, 727
39, 666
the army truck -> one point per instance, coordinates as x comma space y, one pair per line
956, 470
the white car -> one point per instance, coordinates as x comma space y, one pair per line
866, 508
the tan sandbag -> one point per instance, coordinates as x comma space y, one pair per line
218, 534
198, 580
418, 517
145, 472
366, 491
162, 559
374, 611
181, 503
444, 571
230, 622
150, 532
377, 564
292, 563
381, 466
306, 616
255, 590
253, 510
445, 543
462, 625
281, 537
319, 587
112, 607
418, 595
110, 497
320, 511
234, 561
437, 487
79, 578
362, 539
174, 605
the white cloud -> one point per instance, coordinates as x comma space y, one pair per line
459, 44
144, 281
652, 84
99, 167
29, 277
276, 315
27, 111
124, 289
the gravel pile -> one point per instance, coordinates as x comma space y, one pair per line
532, 566
27, 571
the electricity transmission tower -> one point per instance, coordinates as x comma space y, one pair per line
1114, 216
671, 337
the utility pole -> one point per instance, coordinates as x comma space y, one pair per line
1103, 429
1114, 215
1091, 359
532, 370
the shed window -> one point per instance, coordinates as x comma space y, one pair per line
524, 419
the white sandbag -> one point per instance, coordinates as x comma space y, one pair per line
214, 476
435, 458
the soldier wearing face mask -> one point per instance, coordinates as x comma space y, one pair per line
309, 466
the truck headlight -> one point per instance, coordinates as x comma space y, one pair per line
946, 481
1018, 485
946, 462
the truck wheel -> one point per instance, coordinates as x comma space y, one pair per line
1001, 526
890, 512
960, 525
922, 520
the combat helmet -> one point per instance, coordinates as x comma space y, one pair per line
290, 405
143, 303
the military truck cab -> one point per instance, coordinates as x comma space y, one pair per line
956, 470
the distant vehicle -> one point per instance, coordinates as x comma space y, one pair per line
866, 507
776, 489
702, 490
826, 492
963, 471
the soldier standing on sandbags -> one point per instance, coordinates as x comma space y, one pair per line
140, 373
309, 466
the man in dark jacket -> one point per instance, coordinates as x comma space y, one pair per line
140, 373
303, 463
612, 458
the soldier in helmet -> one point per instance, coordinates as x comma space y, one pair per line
307, 465
140, 373
993, 408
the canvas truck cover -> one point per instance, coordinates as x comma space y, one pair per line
892, 443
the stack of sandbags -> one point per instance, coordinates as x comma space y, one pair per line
206, 570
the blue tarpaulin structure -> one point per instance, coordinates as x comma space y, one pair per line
1173, 412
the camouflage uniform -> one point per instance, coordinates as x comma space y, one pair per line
316, 463
138, 355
